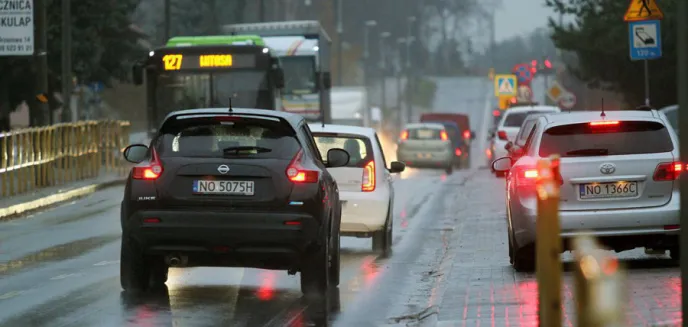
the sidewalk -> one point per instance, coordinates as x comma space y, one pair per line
14, 206
480, 288
17, 205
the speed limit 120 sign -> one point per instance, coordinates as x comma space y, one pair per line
567, 101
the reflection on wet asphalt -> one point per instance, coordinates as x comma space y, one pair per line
61, 268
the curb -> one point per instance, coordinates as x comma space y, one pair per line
14, 211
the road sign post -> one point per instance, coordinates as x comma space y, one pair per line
645, 43
505, 85
644, 35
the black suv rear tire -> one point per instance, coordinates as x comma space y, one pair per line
315, 271
134, 273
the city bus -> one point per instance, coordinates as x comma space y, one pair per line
206, 71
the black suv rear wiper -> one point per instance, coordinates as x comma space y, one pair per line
588, 152
237, 149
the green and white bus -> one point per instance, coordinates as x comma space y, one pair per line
206, 71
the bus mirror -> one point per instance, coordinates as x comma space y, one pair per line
279, 78
137, 74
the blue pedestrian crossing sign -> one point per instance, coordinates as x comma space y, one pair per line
645, 40
505, 85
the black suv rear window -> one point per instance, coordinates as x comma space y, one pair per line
626, 137
424, 134
215, 137
358, 147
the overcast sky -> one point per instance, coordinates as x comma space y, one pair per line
518, 17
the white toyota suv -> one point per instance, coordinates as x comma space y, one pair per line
618, 175
365, 183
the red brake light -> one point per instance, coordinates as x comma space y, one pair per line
227, 118
443, 135
668, 171
495, 113
368, 181
604, 123
404, 135
150, 172
548, 64
467, 134
525, 176
458, 152
296, 172
502, 135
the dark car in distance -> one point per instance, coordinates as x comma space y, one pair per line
231, 188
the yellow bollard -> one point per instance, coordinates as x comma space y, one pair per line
600, 285
548, 243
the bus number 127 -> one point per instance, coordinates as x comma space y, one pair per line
172, 62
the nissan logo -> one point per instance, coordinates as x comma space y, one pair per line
607, 168
223, 169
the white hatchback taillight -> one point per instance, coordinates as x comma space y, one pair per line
368, 179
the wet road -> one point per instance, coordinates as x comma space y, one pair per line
61, 268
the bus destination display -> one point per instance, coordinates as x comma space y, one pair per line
207, 61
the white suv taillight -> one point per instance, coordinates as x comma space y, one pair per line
668, 171
368, 181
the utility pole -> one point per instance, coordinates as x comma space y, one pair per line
366, 56
682, 66
340, 52
67, 61
41, 115
167, 21
383, 69
403, 110
261, 10
409, 74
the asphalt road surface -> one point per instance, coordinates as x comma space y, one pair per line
449, 266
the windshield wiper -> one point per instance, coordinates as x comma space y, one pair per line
588, 152
237, 149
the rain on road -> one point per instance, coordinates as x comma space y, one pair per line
449, 266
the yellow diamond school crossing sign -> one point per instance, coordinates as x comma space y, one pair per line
505, 85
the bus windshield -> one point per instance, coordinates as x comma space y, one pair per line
299, 74
247, 88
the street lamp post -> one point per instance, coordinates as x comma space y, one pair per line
366, 57
340, 31
383, 66
403, 114
409, 90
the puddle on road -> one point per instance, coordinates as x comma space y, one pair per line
55, 253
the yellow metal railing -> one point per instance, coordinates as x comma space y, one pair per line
33, 158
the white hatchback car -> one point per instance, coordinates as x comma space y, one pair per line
511, 123
618, 176
365, 183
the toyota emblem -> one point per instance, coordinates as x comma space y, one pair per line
223, 169
607, 168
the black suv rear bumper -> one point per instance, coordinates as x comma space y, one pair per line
238, 239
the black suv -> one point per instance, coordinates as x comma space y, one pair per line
231, 188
